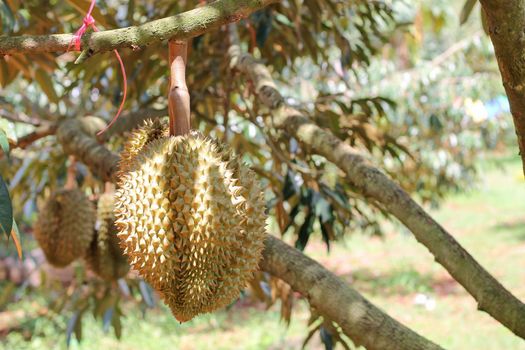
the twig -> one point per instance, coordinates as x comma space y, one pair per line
19, 118
40, 132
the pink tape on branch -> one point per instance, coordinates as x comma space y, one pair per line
89, 21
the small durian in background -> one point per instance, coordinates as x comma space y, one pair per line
105, 257
65, 225
191, 218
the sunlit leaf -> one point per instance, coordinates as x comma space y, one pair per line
4, 142
16, 239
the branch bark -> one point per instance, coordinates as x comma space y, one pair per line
360, 320
491, 296
182, 26
333, 298
506, 20
37, 134
74, 135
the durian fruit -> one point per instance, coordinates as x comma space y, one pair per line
151, 130
64, 228
191, 220
105, 256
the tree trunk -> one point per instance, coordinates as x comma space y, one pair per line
506, 23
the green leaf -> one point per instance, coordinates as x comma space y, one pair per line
71, 325
117, 324
4, 143
46, 84
305, 231
78, 327
466, 11
6, 209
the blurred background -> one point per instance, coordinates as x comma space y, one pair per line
415, 84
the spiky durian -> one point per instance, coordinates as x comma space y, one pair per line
105, 256
65, 226
191, 219
151, 130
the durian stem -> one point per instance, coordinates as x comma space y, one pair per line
71, 175
179, 97
109, 187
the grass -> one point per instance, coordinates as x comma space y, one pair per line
489, 222
394, 272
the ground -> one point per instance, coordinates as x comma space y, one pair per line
394, 272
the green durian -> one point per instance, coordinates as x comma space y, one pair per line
105, 256
65, 225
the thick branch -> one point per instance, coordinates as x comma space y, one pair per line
76, 140
492, 297
360, 320
506, 22
182, 26
365, 323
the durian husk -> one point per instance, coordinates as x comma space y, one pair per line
150, 131
191, 218
65, 225
105, 257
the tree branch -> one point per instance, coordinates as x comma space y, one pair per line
37, 134
19, 118
506, 20
491, 296
360, 320
101, 161
182, 26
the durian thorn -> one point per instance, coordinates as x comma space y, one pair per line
178, 97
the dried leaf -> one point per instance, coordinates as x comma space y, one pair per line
83, 5
16, 239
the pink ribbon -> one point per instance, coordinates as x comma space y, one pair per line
87, 22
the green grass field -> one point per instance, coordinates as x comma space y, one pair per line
395, 272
